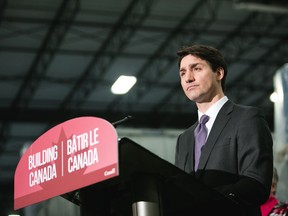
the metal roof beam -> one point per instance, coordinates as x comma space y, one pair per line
114, 43
46, 52
51, 42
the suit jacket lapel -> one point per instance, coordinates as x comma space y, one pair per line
219, 123
189, 163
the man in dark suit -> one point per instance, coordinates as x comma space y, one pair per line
237, 158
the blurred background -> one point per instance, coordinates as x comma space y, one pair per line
59, 59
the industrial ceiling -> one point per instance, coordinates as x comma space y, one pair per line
59, 58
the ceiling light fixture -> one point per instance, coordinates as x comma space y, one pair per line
274, 97
261, 7
123, 84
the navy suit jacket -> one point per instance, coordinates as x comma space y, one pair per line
237, 159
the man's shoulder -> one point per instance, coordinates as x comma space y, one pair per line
230, 105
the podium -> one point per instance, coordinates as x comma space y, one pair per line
147, 185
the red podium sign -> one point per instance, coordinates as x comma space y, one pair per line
69, 156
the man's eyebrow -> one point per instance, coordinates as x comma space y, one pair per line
190, 66
182, 69
194, 65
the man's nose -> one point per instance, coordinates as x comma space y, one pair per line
189, 77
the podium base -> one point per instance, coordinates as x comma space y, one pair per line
143, 208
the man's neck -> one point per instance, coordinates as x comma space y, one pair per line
204, 106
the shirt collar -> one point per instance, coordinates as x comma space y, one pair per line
214, 109
212, 112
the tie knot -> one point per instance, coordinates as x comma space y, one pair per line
204, 119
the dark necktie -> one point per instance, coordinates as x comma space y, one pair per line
200, 134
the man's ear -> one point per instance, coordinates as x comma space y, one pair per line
220, 73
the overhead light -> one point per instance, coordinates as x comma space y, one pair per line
261, 7
123, 84
274, 97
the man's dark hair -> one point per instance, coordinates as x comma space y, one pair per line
210, 54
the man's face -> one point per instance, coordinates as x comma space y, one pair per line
198, 81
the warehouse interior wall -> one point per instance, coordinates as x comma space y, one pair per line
281, 131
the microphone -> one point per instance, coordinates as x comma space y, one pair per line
127, 118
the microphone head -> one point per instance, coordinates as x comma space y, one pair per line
129, 117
